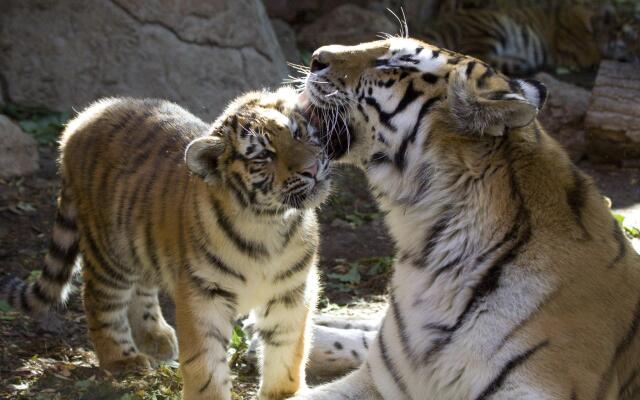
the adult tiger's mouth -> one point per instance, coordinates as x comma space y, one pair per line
332, 121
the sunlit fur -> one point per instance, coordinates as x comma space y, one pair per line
512, 278
219, 215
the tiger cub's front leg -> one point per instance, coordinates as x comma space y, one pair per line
204, 321
284, 327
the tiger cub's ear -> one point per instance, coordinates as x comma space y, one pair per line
490, 112
202, 155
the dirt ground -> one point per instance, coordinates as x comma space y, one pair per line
356, 261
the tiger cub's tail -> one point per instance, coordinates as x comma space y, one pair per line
54, 284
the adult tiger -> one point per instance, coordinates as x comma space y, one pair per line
221, 216
524, 40
513, 280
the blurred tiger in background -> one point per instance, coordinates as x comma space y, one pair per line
521, 38
220, 216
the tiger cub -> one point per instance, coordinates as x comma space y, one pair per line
220, 216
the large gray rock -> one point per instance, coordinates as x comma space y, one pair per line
287, 39
295, 11
18, 151
201, 54
563, 115
347, 24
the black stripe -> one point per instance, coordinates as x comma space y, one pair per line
379, 158
621, 349
66, 223
289, 299
489, 281
238, 189
109, 307
536, 311
268, 336
62, 276
221, 266
624, 388
24, 300
389, 365
206, 385
399, 157
383, 116
255, 250
66, 256
100, 294
509, 367
402, 328
619, 238
469, 70
299, 266
434, 236
203, 248
211, 290
194, 357
41, 295
577, 197
101, 261
430, 78
102, 279
482, 80
293, 229
217, 335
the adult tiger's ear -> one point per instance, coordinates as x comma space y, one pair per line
202, 155
490, 112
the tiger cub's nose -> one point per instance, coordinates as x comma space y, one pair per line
311, 171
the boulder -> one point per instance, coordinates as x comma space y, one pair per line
18, 150
564, 113
287, 39
295, 11
346, 24
64, 54
613, 118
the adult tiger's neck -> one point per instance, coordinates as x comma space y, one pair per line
467, 197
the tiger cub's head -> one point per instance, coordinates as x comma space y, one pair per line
265, 153
394, 93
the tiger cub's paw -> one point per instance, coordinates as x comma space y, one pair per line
124, 365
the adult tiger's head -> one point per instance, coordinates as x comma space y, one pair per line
265, 152
393, 90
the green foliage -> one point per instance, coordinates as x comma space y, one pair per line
4, 306
349, 276
43, 124
306, 57
238, 339
631, 231
358, 218
34, 275
352, 276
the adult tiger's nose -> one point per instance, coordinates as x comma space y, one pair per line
316, 64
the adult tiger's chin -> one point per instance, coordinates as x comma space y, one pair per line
336, 134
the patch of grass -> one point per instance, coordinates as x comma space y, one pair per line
43, 124
238, 346
351, 276
358, 218
631, 231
